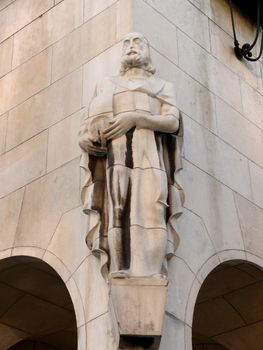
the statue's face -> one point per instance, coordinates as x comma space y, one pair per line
135, 51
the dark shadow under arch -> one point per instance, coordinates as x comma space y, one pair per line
36, 311
228, 313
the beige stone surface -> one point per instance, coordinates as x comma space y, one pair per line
124, 18
214, 203
93, 8
252, 104
191, 301
77, 301
178, 292
6, 50
187, 17
256, 183
216, 157
143, 299
239, 132
25, 81
84, 43
209, 71
44, 203
57, 265
251, 221
28, 251
173, 333
72, 249
3, 129
93, 288
5, 3
198, 102
222, 49
24, 11
23, 164
105, 64
158, 38
47, 29
104, 339
10, 208
62, 141
44, 109
194, 238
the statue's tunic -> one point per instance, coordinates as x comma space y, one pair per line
143, 161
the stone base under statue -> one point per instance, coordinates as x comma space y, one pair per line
138, 305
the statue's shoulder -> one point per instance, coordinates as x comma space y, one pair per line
104, 85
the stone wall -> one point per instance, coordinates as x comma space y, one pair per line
52, 53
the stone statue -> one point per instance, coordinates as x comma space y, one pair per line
131, 160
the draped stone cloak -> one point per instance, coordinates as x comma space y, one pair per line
154, 152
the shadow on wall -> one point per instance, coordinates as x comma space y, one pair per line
228, 313
36, 311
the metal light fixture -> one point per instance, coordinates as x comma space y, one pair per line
245, 51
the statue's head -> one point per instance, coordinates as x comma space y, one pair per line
136, 53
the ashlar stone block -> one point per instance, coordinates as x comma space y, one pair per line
194, 238
47, 29
6, 49
222, 48
93, 8
64, 133
239, 132
144, 17
84, 43
252, 104
251, 222
5, 3
93, 288
105, 64
23, 11
10, 208
23, 164
198, 103
218, 210
214, 156
44, 203
3, 129
186, 17
23, 82
178, 292
256, 174
203, 67
44, 109
72, 249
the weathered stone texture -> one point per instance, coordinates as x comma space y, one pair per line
25, 81
84, 43
47, 29
44, 109
23, 164
45, 201
19, 14
6, 50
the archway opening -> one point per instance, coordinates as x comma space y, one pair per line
228, 313
36, 311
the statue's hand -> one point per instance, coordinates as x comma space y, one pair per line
122, 123
86, 143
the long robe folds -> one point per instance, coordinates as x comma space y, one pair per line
136, 186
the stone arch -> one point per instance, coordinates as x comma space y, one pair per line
226, 303
36, 308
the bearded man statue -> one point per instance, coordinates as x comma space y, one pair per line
131, 189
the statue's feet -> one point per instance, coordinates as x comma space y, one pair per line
119, 274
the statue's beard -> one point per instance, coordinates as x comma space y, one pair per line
136, 60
